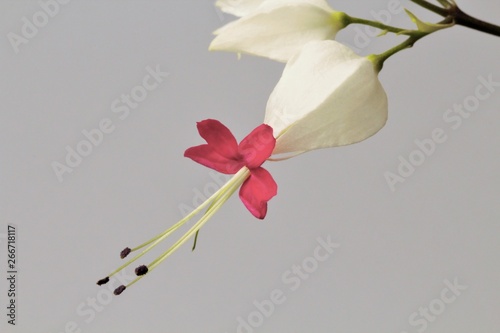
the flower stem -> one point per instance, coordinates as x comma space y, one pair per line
461, 18
384, 27
468, 21
379, 59
433, 8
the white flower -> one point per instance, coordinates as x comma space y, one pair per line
327, 96
278, 29
238, 7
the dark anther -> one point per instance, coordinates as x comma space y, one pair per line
119, 290
141, 270
125, 252
103, 281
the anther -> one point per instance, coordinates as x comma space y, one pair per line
141, 270
119, 290
126, 251
103, 281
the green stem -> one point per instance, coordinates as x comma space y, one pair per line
356, 20
461, 18
379, 59
433, 8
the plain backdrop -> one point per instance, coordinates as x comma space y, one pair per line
398, 250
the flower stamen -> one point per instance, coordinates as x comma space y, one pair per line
216, 201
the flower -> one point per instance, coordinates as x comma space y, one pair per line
278, 29
238, 7
328, 96
223, 154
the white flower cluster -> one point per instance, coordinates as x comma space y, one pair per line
328, 95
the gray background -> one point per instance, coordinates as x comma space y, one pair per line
396, 248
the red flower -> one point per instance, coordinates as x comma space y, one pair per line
222, 153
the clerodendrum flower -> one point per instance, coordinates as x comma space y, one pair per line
277, 29
223, 154
328, 96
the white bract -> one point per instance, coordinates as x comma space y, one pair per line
328, 96
278, 29
238, 7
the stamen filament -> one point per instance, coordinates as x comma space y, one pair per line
183, 220
221, 197
213, 209
157, 239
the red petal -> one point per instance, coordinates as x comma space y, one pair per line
210, 157
257, 146
219, 137
257, 190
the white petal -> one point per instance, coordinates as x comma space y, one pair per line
278, 29
281, 3
327, 96
238, 7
